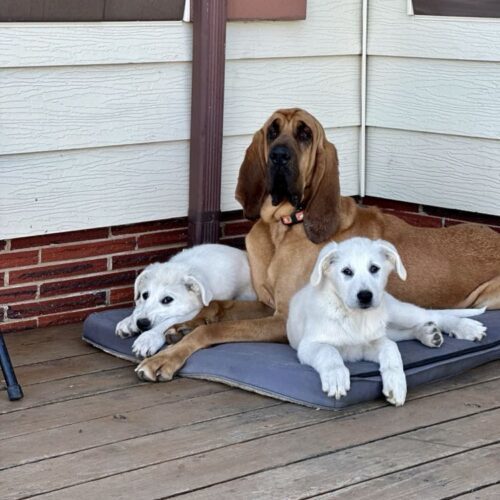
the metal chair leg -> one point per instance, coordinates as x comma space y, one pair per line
14, 390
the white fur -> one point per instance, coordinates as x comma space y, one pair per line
327, 324
192, 278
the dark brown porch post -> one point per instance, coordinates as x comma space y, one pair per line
207, 111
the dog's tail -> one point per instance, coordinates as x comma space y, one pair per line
464, 313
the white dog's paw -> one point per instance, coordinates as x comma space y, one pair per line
429, 334
124, 328
148, 343
468, 329
335, 381
394, 386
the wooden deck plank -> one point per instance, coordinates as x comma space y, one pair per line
334, 471
74, 387
127, 425
303, 445
154, 448
439, 479
486, 493
101, 405
44, 344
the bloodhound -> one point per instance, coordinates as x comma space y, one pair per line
289, 181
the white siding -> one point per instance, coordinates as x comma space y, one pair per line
436, 84
94, 117
440, 170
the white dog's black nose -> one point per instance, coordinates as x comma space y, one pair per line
365, 298
143, 324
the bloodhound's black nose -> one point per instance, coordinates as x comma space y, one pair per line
365, 298
280, 156
143, 324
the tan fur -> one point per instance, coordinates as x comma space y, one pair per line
450, 267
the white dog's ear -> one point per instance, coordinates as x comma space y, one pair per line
325, 258
197, 286
140, 280
392, 255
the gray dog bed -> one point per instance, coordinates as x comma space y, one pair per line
273, 369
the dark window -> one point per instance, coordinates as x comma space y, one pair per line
90, 10
459, 8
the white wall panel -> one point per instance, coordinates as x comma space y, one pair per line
328, 87
331, 28
52, 192
440, 170
72, 44
449, 97
393, 32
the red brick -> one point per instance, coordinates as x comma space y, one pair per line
17, 294
58, 238
233, 215
18, 259
98, 282
390, 204
141, 259
44, 307
146, 227
237, 228
71, 316
17, 326
237, 242
42, 273
421, 220
87, 250
2, 279
3, 244
162, 238
120, 295
460, 215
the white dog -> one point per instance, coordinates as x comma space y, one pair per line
175, 291
344, 314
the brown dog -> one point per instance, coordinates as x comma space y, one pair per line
289, 181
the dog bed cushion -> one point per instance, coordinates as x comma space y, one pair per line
273, 369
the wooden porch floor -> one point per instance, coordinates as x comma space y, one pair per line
88, 429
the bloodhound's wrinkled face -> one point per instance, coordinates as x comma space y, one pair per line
291, 160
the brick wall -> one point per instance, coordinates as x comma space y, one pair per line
61, 278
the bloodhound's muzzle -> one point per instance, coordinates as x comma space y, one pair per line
291, 160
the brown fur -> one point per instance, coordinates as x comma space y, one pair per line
457, 266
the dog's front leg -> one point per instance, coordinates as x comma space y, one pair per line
165, 364
126, 327
327, 361
151, 341
215, 312
385, 352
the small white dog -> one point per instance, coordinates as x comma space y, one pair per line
175, 291
344, 314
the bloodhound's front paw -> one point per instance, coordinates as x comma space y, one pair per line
177, 332
159, 368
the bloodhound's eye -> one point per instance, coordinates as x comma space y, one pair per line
273, 131
303, 133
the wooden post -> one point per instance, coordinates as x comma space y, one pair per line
207, 112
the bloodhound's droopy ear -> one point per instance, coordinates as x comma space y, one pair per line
251, 188
322, 195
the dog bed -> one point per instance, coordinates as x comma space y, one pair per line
273, 369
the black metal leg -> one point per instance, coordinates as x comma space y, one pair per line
14, 390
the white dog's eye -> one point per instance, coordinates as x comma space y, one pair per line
166, 300
374, 269
145, 295
348, 271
